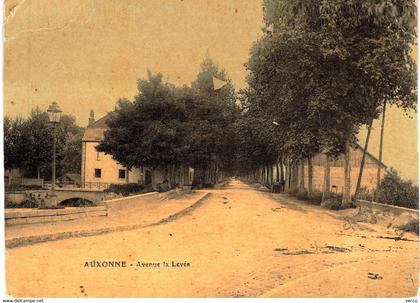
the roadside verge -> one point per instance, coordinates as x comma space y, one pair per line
77, 233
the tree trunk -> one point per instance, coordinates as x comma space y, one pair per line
181, 175
265, 175
301, 176
173, 169
39, 172
168, 176
210, 179
198, 179
326, 193
294, 175
381, 143
271, 174
281, 174
262, 172
362, 163
310, 177
347, 177
10, 176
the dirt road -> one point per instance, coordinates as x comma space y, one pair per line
240, 243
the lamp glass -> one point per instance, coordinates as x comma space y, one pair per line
54, 113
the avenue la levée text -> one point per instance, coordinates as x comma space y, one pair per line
144, 264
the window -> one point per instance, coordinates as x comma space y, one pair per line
98, 156
121, 174
98, 172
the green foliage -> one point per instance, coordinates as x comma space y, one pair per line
167, 125
323, 69
149, 131
28, 203
13, 142
314, 199
126, 189
20, 187
255, 136
71, 154
395, 191
28, 144
410, 226
211, 118
38, 143
333, 204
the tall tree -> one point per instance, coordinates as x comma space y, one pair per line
28, 144
361, 58
150, 131
212, 117
14, 139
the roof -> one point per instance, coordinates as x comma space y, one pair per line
370, 155
101, 123
95, 132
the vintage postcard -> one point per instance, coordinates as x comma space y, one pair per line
210, 149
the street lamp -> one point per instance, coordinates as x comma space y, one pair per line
54, 114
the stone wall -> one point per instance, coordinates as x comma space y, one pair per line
26, 216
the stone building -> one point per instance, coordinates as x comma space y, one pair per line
336, 171
99, 170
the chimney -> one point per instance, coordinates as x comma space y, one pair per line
91, 118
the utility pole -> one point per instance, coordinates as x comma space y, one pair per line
362, 164
381, 143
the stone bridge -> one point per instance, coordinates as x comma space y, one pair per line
92, 195
62, 194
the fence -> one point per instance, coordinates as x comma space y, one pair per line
96, 185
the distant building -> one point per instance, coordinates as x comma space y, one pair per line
370, 170
337, 171
99, 170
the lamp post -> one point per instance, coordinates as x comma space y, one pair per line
54, 114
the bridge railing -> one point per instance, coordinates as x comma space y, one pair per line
96, 185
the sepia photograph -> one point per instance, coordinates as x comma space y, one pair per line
210, 149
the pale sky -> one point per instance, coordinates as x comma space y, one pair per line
86, 54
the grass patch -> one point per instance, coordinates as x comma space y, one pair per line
25, 204
314, 199
333, 203
127, 189
410, 226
